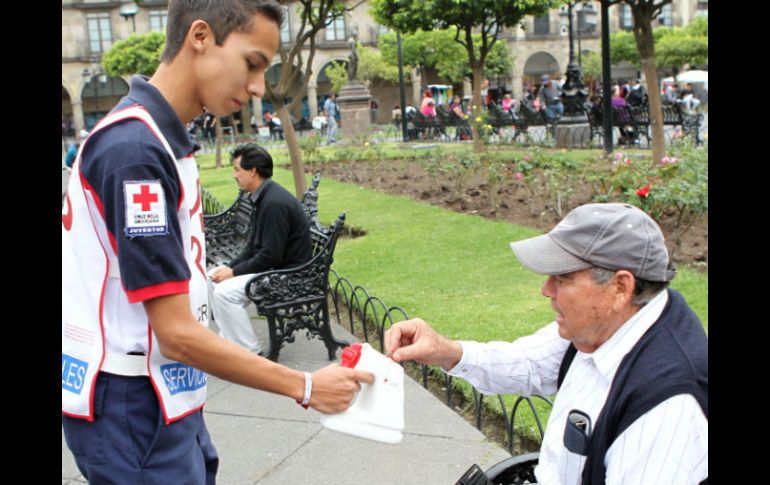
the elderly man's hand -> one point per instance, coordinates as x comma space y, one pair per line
416, 340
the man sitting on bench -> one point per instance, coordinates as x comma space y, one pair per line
279, 238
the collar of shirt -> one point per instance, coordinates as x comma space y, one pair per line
257, 193
608, 356
147, 95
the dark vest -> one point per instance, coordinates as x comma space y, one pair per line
671, 358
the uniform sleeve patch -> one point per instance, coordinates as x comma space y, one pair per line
145, 208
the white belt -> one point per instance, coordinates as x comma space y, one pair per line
124, 364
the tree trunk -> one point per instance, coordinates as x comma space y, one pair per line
476, 104
646, 46
246, 120
297, 167
218, 144
656, 111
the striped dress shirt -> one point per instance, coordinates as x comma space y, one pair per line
667, 445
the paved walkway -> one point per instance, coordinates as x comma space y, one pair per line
267, 439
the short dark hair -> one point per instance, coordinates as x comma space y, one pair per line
254, 156
644, 290
223, 16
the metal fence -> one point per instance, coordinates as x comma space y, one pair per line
368, 316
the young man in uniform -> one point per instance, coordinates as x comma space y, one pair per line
135, 345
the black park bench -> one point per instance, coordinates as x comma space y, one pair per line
290, 299
638, 119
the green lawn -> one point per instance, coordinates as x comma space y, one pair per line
456, 271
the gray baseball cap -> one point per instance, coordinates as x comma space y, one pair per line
611, 236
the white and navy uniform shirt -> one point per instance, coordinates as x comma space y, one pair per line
132, 230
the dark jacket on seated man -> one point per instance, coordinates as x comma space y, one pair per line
280, 233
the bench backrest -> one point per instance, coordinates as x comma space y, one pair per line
640, 114
310, 201
228, 230
528, 116
620, 115
422, 121
594, 118
241, 220
497, 117
324, 239
446, 118
672, 114
273, 290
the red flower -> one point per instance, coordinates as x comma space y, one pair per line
644, 191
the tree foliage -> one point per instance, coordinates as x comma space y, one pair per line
371, 66
623, 48
592, 66
674, 46
337, 72
136, 54
464, 18
297, 68
674, 51
437, 49
699, 27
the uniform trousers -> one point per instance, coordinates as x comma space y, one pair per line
129, 442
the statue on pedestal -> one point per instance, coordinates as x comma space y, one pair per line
353, 58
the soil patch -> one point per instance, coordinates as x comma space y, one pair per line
517, 204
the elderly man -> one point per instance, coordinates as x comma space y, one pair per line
628, 357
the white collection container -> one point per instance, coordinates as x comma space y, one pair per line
378, 411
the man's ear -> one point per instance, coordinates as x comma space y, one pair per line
199, 36
625, 283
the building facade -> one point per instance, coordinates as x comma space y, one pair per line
90, 27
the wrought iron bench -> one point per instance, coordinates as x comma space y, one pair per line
426, 127
290, 299
296, 298
638, 118
302, 126
673, 115
498, 118
525, 117
446, 119
623, 118
514, 470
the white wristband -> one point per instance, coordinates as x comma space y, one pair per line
308, 389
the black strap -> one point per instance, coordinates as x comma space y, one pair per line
569, 356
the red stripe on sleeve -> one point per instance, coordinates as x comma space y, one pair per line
163, 289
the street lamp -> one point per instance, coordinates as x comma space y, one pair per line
402, 94
574, 92
587, 26
129, 10
606, 103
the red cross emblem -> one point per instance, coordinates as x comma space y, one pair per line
146, 198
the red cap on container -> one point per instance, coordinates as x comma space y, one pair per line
350, 355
